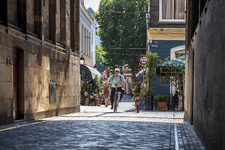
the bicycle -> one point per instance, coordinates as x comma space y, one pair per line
116, 99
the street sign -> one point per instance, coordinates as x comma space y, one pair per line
143, 60
155, 46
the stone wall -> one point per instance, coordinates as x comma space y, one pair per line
205, 77
39, 63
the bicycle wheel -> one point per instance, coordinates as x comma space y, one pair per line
115, 104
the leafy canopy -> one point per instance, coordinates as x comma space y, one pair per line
100, 59
122, 31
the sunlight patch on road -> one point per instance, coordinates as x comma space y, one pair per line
101, 113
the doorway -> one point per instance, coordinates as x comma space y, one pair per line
18, 84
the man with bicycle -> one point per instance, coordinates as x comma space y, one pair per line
116, 80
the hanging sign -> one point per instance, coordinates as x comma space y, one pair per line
143, 60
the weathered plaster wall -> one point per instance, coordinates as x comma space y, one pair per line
41, 66
42, 62
189, 84
6, 112
208, 54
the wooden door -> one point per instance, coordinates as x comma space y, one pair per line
15, 85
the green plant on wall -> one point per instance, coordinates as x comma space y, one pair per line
151, 70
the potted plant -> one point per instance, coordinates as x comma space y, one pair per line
161, 101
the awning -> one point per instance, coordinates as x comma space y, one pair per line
88, 73
140, 74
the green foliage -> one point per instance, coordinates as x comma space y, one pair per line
93, 86
161, 98
136, 89
122, 27
178, 73
100, 59
151, 69
144, 90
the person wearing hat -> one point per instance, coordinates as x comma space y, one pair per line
116, 79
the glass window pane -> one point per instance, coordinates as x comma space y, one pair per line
179, 9
167, 9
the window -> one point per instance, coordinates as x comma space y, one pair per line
82, 33
172, 10
3, 11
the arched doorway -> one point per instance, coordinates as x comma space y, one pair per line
18, 83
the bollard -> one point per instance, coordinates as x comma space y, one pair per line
137, 99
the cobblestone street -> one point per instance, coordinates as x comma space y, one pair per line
99, 128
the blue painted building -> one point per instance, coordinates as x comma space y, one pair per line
164, 50
166, 33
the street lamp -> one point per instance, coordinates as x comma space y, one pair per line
82, 60
95, 67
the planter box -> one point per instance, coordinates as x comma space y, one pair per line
149, 103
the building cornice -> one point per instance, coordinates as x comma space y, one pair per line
169, 34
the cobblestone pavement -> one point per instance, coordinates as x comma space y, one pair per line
98, 128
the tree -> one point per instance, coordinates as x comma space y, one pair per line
100, 59
122, 31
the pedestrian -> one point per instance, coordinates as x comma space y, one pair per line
106, 94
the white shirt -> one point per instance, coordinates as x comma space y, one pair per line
116, 80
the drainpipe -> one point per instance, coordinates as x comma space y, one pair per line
147, 22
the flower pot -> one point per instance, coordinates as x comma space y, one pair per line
162, 105
149, 103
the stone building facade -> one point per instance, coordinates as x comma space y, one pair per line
166, 32
204, 75
39, 59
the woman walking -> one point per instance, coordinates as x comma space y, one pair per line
106, 94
